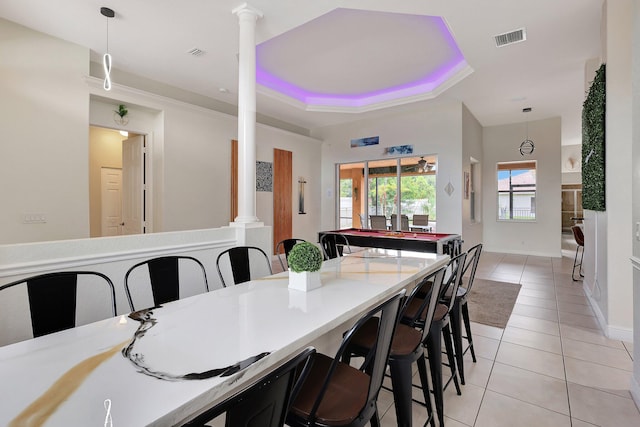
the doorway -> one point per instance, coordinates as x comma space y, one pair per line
106, 154
385, 187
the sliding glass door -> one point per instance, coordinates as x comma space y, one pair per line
404, 185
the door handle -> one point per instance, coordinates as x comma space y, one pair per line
122, 223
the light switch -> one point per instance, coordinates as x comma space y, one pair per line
34, 218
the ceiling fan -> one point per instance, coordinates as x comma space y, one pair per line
424, 166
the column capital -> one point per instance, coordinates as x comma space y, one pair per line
245, 8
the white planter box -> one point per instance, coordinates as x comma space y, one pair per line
305, 281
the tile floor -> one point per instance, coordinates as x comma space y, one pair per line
551, 365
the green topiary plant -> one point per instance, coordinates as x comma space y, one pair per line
304, 256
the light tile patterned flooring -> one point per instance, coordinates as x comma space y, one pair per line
551, 365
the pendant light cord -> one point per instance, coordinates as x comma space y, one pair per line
106, 59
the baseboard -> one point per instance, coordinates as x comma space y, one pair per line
611, 332
619, 334
523, 252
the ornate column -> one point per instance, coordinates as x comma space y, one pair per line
247, 17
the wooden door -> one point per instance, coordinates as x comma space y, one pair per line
282, 195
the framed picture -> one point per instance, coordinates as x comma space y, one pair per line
365, 142
399, 149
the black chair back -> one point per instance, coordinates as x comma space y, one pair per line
419, 306
286, 245
452, 279
578, 235
240, 260
53, 299
265, 403
333, 245
162, 274
473, 257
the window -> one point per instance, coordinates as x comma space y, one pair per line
517, 191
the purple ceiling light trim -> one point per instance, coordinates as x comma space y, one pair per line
427, 84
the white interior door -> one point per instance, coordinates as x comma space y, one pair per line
133, 185
111, 201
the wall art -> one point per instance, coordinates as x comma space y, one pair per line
399, 150
264, 176
365, 142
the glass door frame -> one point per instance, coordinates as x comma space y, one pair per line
399, 174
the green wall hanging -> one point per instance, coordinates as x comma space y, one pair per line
593, 144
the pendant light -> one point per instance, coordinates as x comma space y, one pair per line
106, 59
526, 146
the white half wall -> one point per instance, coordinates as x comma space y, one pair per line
501, 144
112, 256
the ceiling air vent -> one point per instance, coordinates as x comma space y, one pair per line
196, 52
511, 37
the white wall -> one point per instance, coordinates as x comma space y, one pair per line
501, 144
472, 148
571, 161
635, 109
44, 110
433, 130
619, 167
305, 163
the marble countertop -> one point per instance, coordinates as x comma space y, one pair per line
159, 366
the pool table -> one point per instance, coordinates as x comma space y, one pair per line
440, 243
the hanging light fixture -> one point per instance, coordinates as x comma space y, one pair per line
422, 164
527, 146
106, 59
425, 166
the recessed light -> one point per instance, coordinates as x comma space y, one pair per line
223, 90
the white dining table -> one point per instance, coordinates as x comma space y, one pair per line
162, 366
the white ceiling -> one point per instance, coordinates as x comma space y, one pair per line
150, 38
